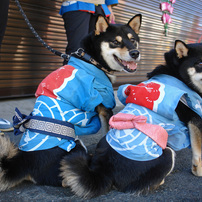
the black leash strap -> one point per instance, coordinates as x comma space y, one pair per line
64, 56
80, 53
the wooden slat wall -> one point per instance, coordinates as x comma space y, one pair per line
25, 62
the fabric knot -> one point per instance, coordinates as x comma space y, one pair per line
123, 121
18, 122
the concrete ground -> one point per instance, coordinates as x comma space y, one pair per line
180, 185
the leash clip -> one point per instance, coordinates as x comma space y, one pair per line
80, 52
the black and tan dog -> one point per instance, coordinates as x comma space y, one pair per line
69, 103
131, 159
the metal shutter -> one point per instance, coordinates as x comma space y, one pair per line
186, 25
25, 62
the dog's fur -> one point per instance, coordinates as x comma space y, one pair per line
115, 48
89, 177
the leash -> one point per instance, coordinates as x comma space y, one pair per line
81, 54
62, 55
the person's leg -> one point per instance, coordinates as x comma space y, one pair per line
4, 5
76, 24
93, 19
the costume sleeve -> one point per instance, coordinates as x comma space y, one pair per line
107, 94
81, 92
121, 93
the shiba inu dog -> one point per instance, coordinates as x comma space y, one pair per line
69, 103
164, 110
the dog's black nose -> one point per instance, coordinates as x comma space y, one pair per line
134, 53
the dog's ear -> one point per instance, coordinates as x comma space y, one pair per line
101, 25
181, 49
135, 23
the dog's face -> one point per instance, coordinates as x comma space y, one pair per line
189, 64
117, 45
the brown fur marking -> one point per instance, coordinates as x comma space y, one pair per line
196, 139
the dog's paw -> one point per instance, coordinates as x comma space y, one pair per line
104, 115
105, 112
162, 182
197, 170
64, 183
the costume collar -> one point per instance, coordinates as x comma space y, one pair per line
190, 98
99, 75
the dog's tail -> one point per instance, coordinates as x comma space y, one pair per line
7, 151
7, 148
84, 179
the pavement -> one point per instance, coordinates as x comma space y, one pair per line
180, 185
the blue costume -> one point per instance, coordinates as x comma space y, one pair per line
156, 99
86, 7
70, 93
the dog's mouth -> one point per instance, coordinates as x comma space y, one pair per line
128, 66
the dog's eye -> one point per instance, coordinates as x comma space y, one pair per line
115, 42
199, 63
133, 40
198, 66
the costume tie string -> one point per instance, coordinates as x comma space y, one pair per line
123, 121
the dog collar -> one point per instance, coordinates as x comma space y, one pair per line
81, 54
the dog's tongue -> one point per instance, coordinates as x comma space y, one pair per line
131, 65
